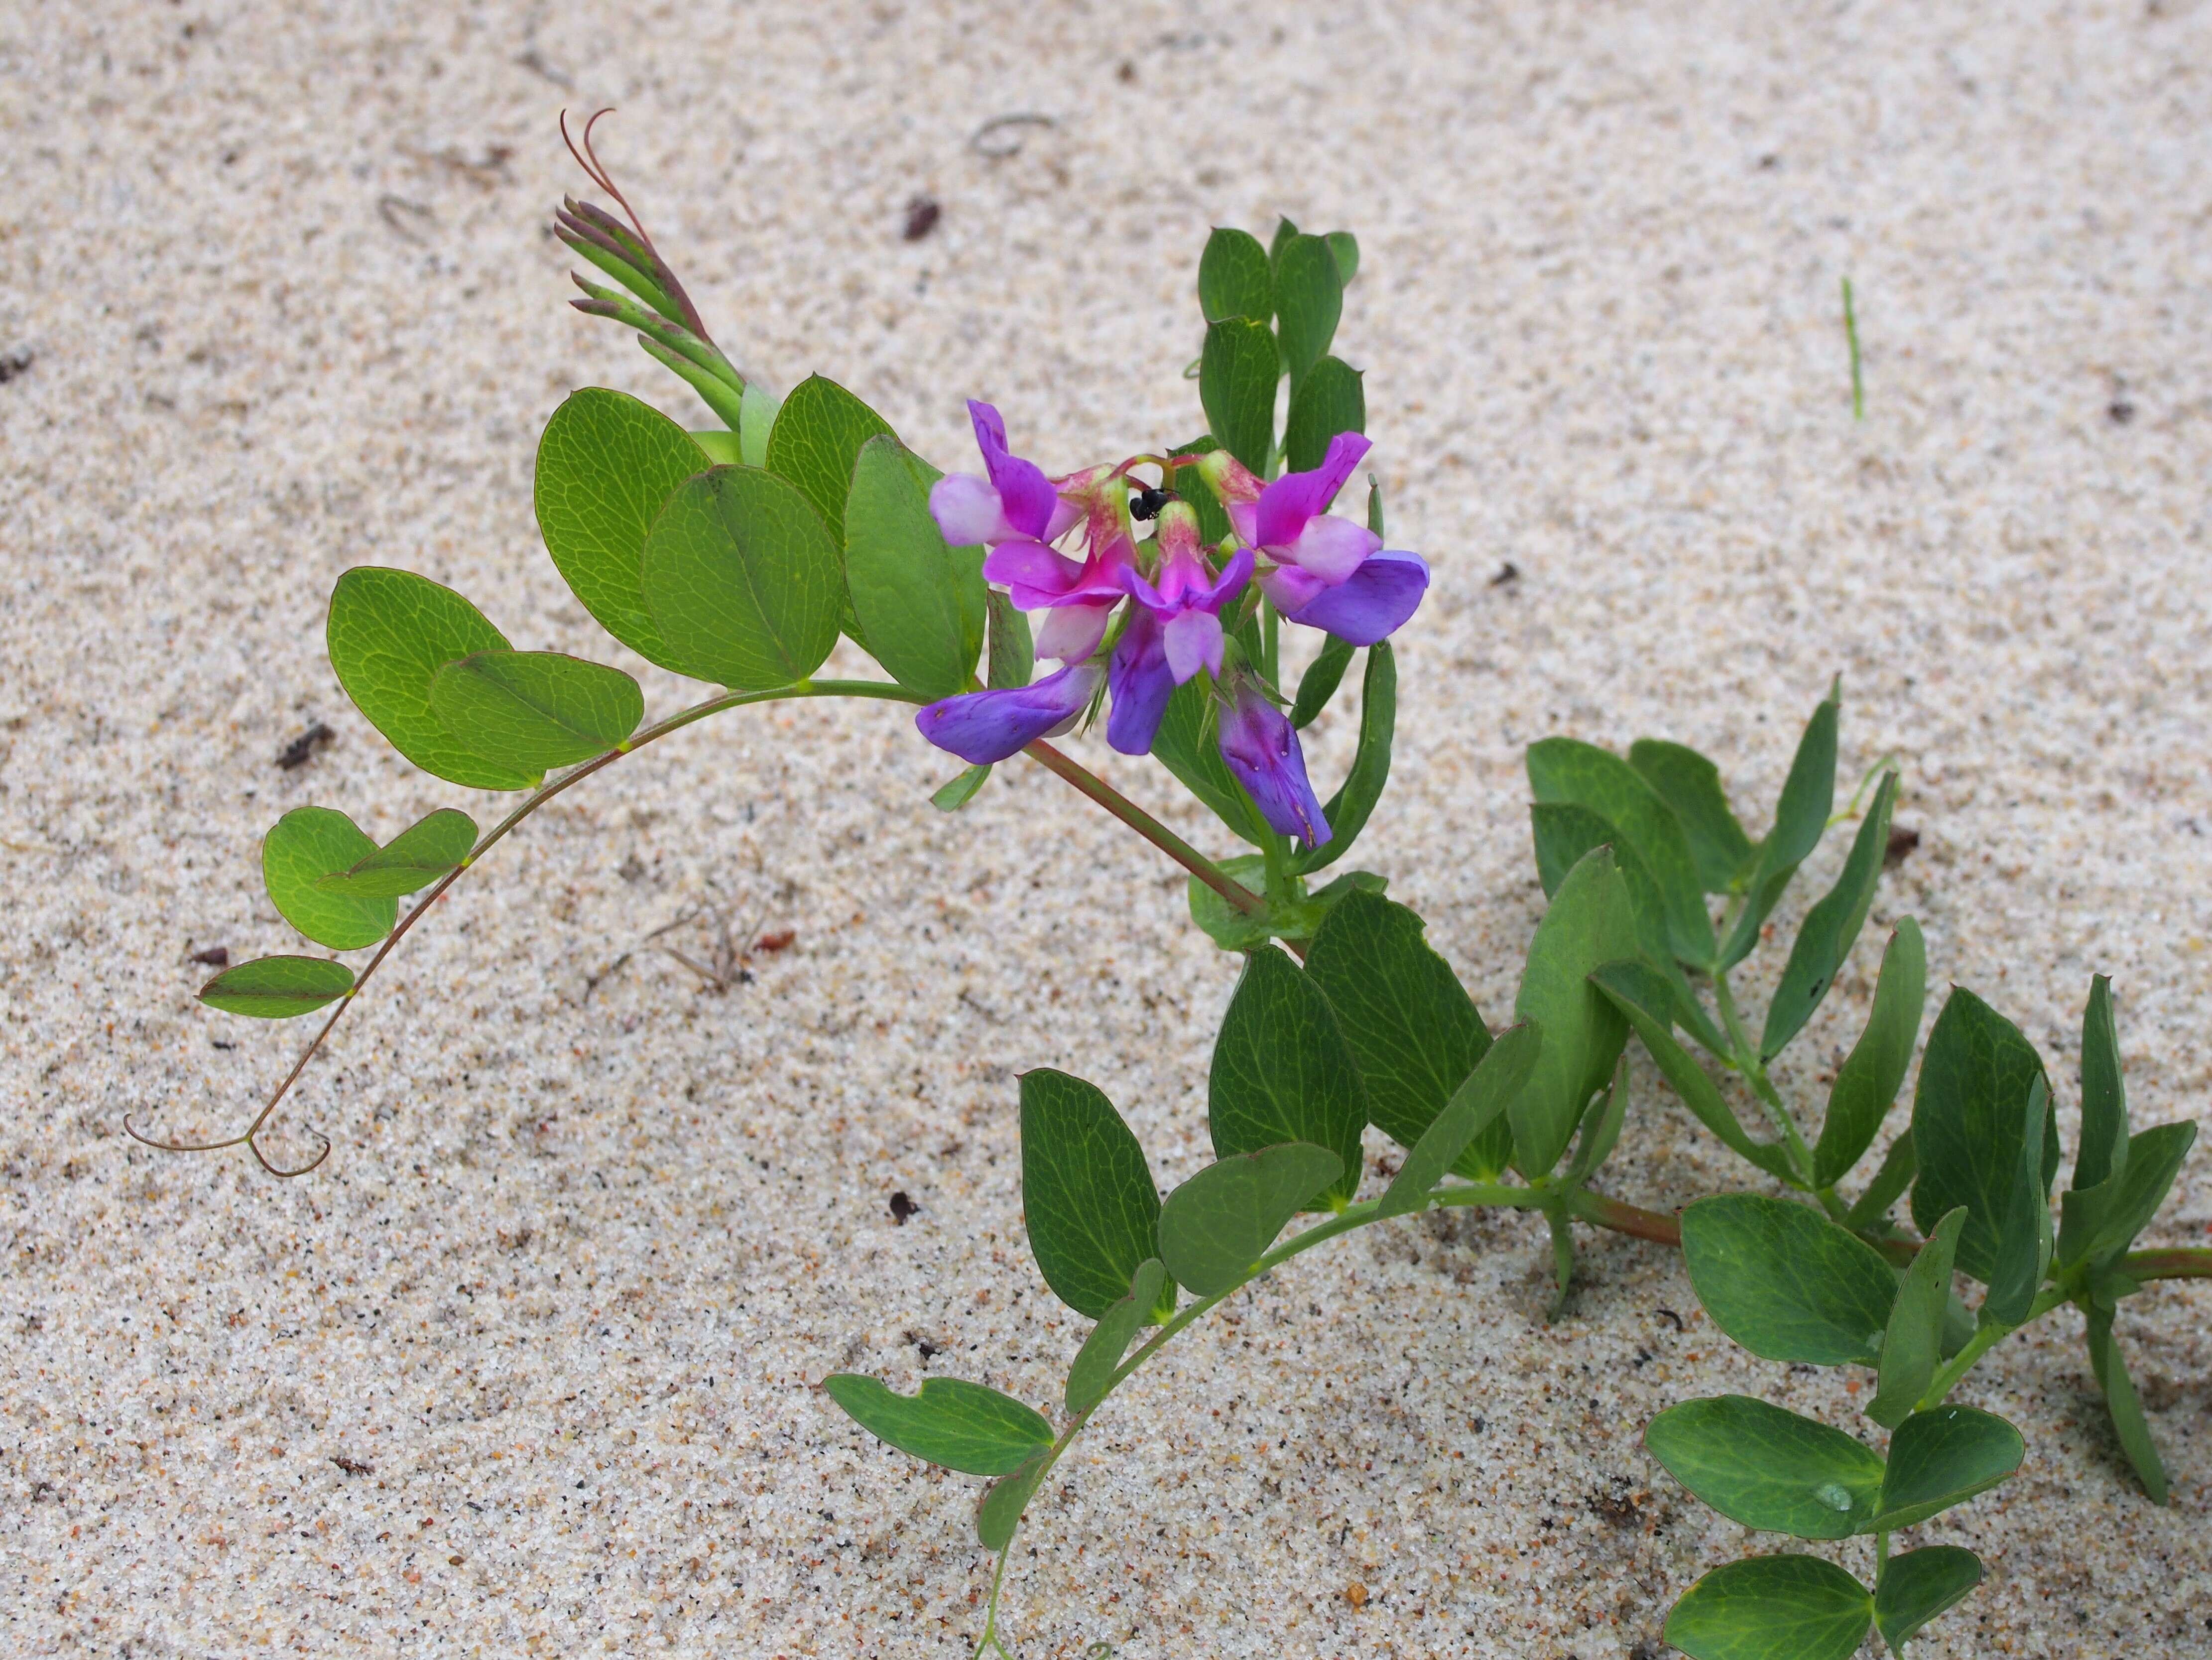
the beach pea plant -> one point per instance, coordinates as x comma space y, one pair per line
1164, 590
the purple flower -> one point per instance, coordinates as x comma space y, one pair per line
983, 727
1262, 750
1174, 629
1016, 502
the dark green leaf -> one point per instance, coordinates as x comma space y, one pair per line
1308, 300
1101, 1351
1319, 682
1801, 818
2120, 1399
1345, 247
1234, 278
606, 465
277, 988
390, 633
535, 709
1413, 1031
2103, 1151
1330, 400
1216, 1226
1919, 1585
1634, 989
1772, 1608
1087, 1194
920, 608
1012, 653
956, 794
1473, 1108
1975, 1077
1000, 1510
1867, 1083
1912, 1346
1237, 377
818, 435
961, 1426
2103, 1221
1284, 231
426, 850
1350, 808
1769, 1468
1691, 786
743, 581
2022, 1250
1943, 1457
305, 845
1587, 926
1600, 1127
1899, 1166
1785, 1282
1281, 1072
1563, 771
1188, 745
1830, 930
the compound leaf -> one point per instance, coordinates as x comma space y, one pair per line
426, 850
1564, 771
1237, 375
1800, 818
2122, 1401
1331, 399
1218, 1225
305, 845
1912, 1344
999, 1512
1479, 1102
1101, 1351
535, 710
961, 1426
1691, 785
1975, 1078
1309, 302
920, 607
1234, 278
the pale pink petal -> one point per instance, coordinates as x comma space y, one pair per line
1192, 642
1072, 633
969, 511
1332, 549
1288, 588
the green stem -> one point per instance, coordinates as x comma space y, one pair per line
1985, 1338
1746, 1061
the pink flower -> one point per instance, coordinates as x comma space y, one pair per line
1015, 502
1174, 629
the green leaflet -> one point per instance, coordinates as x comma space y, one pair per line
1919, 1585
960, 789
1240, 930
606, 465
390, 632
818, 435
304, 845
1768, 1468
1564, 771
426, 850
1785, 1282
2022, 1248
1826, 937
1346, 246
1234, 277
1284, 231
1101, 1351
745, 584
1690, 785
1309, 302
1587, 925
2102, 1222
277, 988
1188, 745
1473, 1108
1331, 399
1012, 658
1912, 1345
1867, 1083
534, 710
961, 1426
1282, 1074
1213, 520
1899, 1166
1600, 1131
756, 413
1943, 1457
1975, 1076
722, 449
1348, 810
1414, 1033
921, 607
1237, 375
1772, 1608
1216, 1226
1319, 681
2103, 1151
2120, 1401
1801, 818
999, 1512
1087, 1192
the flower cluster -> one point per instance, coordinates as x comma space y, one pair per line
1137, 618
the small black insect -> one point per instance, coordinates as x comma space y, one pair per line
1148, 501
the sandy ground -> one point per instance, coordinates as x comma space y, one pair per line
524, 1369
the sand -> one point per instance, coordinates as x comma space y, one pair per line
525, 1368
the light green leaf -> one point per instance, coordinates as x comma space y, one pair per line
721, 447
1236, 376
818, 435
1101, 1355
2120, 1399
999, 1512
920, 608
961, 1426
1216, 1226
1769, 1468
605, 465
1867, 1083
1331, 399
756, 414
1308, 300
1975, 1077
1785, 1282
1319, 681
1474, 1107
1345, 247
1013, 652
304, 845
1826, 937
277, 988
956, 794
1600, 1127
1087, 1194
1349, 809
2103, 1151
390, 633
1690, 785
1800, 818
2101, 1222
1918, 1585
426, 850
1564, 771
1234, 278
535, 709
1281, 1072
742, 581
1912, 1346
1587, 926
1284, 231
1943, 1457
1233, 929
1772, 1608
